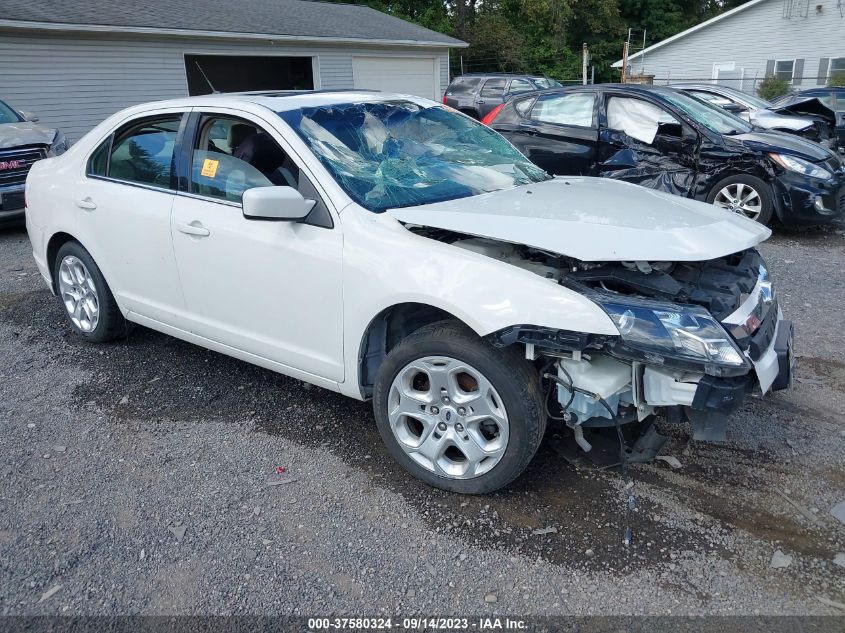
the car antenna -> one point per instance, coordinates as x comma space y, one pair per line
207, 80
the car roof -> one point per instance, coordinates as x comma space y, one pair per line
511, 75
633, 88
285, 100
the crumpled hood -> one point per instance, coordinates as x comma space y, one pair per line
783, 143
594, 219
24, 133
811, 106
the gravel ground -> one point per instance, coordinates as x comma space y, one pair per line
141, 477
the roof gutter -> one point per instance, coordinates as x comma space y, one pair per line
273, 37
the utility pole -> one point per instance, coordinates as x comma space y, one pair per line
585, 58
624, 61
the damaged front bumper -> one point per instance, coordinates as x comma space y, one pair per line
608, 381
808, 201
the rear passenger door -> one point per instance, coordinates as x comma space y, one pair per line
559, 133
492, 95
123, 208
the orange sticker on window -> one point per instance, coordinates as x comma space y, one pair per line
209, 168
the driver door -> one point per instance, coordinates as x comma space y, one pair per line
268, 288
642, 143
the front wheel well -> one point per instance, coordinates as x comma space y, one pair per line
385, 331
53, 246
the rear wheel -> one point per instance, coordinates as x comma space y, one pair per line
456, 412
746, 195
87, 300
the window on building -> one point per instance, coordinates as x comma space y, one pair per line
784, 69
837, 65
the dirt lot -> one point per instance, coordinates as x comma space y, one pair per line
134, 477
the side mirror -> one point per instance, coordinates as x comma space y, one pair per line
29, 116
281, 204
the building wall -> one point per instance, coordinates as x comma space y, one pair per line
74, 81
750, 39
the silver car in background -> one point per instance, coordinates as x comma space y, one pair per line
810, 119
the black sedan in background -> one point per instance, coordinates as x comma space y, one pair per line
664, 139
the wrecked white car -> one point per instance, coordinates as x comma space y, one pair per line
390, 248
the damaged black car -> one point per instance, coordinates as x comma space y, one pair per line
664, 139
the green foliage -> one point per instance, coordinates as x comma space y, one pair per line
545, 36
772, 87
836, 79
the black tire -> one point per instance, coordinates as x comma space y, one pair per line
513, 377
110, 323
763, 189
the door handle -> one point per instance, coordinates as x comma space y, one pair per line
481, 102
195, 228
87, 204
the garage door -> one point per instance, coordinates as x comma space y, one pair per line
412, 75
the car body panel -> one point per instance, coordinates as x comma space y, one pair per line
689, 165
583, 218
502, 296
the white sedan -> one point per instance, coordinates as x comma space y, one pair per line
388, 247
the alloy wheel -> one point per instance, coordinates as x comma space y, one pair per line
448, 417
79, 293
740, 198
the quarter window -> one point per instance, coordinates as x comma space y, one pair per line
493, 88
232, 155
569, 109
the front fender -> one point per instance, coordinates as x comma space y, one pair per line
386, 265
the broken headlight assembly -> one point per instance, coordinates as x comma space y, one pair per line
666, 334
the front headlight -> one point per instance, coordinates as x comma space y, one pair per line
59, 145
685, 333
801, 166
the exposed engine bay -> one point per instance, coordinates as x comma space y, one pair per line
600, 381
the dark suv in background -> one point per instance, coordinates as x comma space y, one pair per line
476, 94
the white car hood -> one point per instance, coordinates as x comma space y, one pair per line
594, 219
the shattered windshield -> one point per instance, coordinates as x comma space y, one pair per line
712, 117
399, 153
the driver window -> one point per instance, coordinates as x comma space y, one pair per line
232, 155
641, 120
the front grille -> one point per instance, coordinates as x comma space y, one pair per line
16, 163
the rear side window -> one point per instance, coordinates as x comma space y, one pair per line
493, 88
567, 109
463, 86
520, 85
141, 152
710, 97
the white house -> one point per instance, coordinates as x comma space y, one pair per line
802, 41
75, 62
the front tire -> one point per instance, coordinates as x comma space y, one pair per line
85, 296
456, 412
746, 195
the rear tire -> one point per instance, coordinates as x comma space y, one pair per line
476, 415
86, 298
745, 195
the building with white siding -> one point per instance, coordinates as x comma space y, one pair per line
73, 63
802, 41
